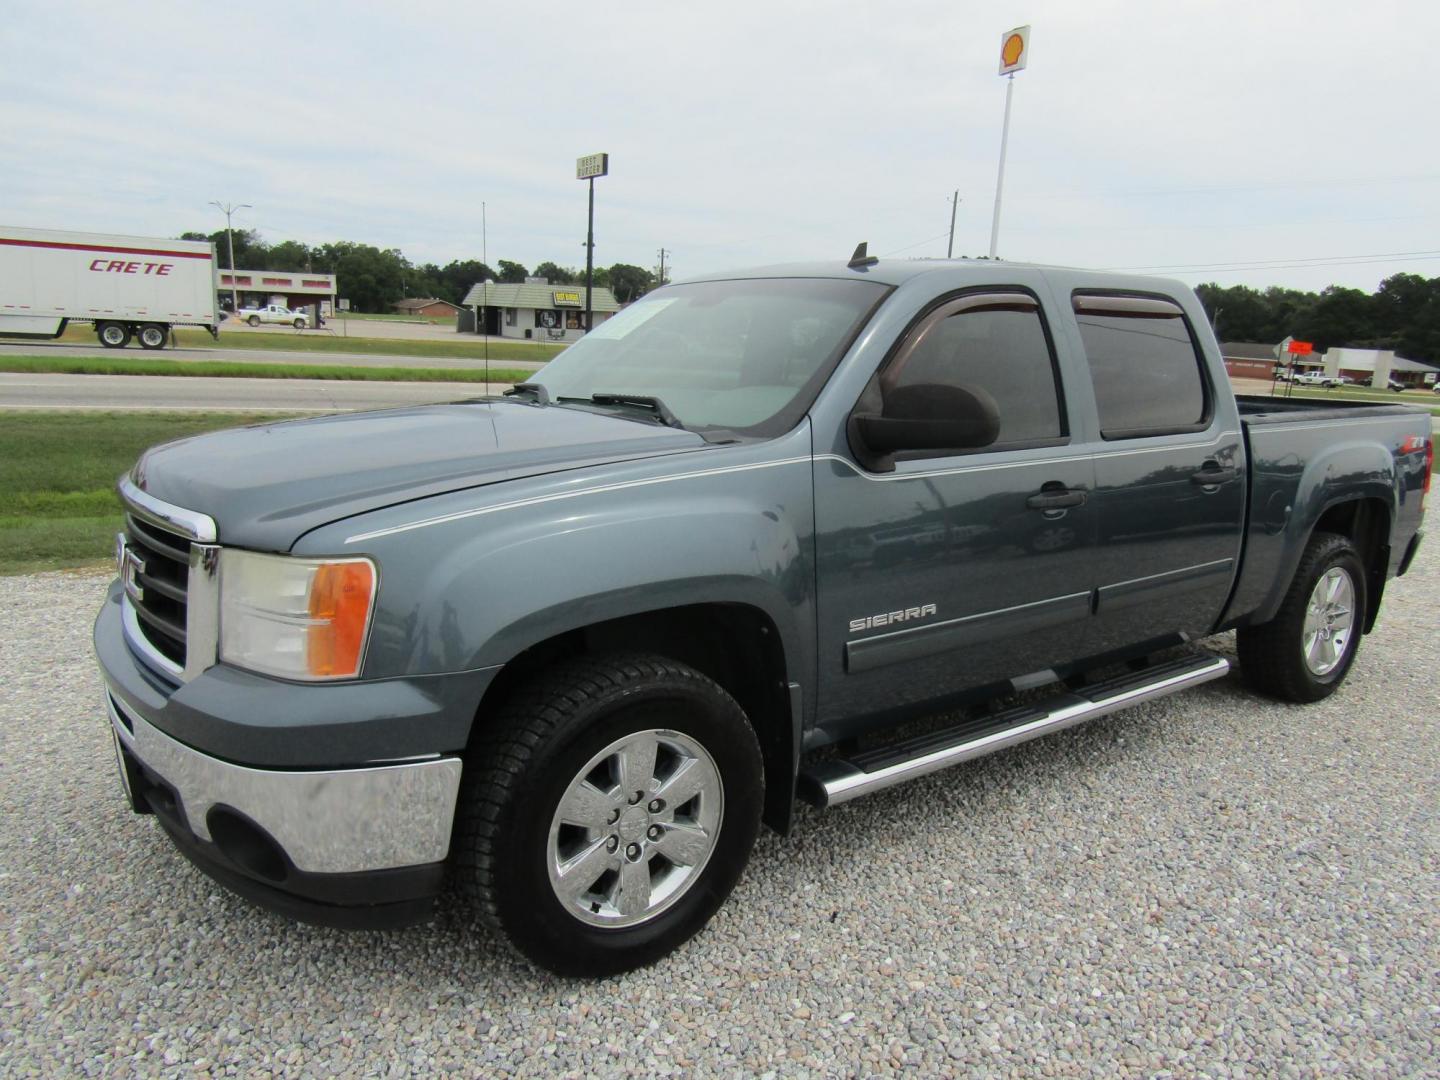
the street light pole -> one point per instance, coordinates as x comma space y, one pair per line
227, 209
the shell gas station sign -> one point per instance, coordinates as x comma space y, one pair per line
1014, 50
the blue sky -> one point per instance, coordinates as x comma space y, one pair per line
1259, 143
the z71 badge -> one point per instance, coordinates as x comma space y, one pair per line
889, 618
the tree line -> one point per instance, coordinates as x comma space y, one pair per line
373, 279
1402, 314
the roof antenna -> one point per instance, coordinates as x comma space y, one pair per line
860, 258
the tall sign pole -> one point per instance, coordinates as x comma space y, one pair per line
588, 168
1014, 55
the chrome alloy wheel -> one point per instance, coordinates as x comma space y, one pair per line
635, 828
1329, 621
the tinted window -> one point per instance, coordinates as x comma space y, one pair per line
1146, 373
746, 356
1002, 351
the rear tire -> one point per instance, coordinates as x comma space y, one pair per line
152, 336
253, 320
113, 335
299, 324
565, 838
1304, 652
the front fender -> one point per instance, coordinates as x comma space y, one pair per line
608, 563
470, 580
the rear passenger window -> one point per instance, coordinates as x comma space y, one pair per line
1147, 372
997, 343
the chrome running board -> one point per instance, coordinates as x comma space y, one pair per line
836, 781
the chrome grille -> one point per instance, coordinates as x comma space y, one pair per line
170, 571
157, 585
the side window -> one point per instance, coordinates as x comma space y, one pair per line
1147, 371
995, 343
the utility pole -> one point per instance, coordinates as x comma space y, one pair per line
588, 168
227, 210
950, 249
663, 253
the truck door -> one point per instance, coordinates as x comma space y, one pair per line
1169, 473
954, 570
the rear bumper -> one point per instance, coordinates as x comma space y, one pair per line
350, 848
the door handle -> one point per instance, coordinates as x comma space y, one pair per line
1061, 499
1208, 477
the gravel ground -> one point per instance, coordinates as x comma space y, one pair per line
1210, 884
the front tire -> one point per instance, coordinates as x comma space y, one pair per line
113, 335
1304, 653
607, 812
152, 336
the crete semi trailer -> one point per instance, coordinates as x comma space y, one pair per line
126, 286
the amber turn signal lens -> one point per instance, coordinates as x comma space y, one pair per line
340, 597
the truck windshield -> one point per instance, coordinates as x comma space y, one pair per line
744, 356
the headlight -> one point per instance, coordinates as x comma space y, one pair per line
296, 618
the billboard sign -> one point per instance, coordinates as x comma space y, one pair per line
591, 166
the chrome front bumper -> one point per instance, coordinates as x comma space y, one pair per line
326, 822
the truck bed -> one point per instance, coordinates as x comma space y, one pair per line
1264, 409
1302, 455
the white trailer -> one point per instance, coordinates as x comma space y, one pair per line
126, 286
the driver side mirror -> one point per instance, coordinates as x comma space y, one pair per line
929, 416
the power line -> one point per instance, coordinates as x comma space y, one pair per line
918, 243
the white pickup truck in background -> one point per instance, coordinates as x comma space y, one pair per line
1317, 378
273, 313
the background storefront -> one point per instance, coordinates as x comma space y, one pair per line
256, 288
537, 310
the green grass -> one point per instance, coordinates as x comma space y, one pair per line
1423, 399
324, 341
241, 369
57, 480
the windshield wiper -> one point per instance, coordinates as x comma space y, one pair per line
643, 401
542, 396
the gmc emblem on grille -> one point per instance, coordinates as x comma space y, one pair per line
131, 567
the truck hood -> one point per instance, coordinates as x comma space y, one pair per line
268, 485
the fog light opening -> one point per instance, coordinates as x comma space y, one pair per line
246, 845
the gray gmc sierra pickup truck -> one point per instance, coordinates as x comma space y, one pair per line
569, 647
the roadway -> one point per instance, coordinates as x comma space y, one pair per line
134, 393
257, 356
